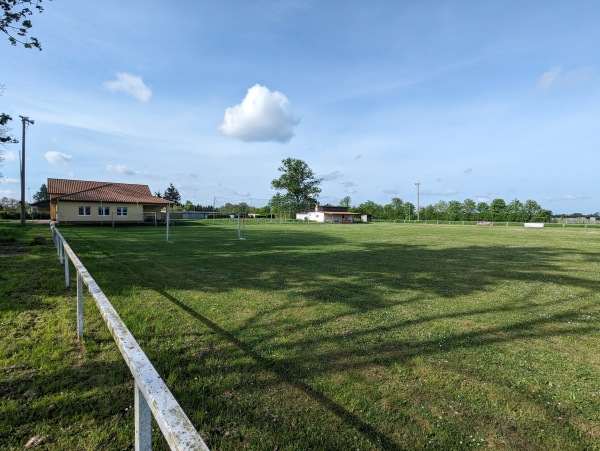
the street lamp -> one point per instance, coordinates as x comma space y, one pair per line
418, 184
26, 121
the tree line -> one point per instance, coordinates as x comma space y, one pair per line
298, 188
468, 210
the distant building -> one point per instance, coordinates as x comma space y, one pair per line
328, 214
81, 201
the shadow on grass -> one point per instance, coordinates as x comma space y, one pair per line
282, 371
345, 280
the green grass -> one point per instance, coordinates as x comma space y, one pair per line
314, 336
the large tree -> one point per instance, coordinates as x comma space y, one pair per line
15, 22
4, 131
299, 181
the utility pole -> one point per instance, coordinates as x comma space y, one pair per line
418, 184
26, 121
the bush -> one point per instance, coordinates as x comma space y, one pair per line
5, 214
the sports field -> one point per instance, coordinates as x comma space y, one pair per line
315, 336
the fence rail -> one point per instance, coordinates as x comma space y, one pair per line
151, 395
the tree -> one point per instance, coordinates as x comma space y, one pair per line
428, 213
409, 210
483, 210
454, 210
300, 182
395, 208
10, 204
498, 209
371, 208
15, 22
469, 208
345, 202
531, 208
542, 216
515, 211
441, 209
280, 204
42, 194
172, 194
4, 130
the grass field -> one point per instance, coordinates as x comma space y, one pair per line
311, 336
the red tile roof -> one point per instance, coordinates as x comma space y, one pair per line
83, 190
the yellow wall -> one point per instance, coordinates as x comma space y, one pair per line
68, 211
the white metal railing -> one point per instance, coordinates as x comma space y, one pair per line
151, 395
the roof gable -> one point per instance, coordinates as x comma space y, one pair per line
83, 190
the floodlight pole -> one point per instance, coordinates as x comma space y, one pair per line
418, 185
26, 121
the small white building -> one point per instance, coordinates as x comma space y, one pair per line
328, 214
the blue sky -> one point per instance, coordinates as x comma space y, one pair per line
472, 99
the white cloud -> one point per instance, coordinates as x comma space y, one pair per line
119, 169
8, 180
575, 197
555, 78
448, 192
54, 157
263, 115
130, 84
5, 192
10, 156
549, 78
331, 176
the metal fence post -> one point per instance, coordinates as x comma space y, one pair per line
79, 306
66, 269
152, 397
143, 422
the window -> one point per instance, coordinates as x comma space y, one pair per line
85, 211
121, 211
103, 211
